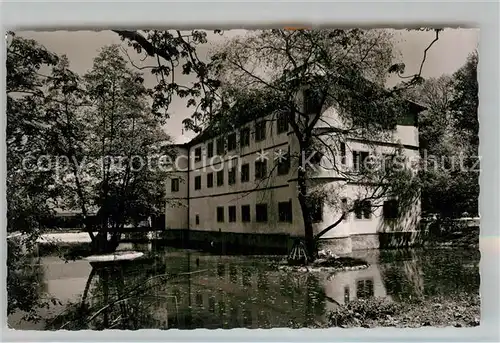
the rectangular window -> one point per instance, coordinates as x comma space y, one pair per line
174, 185
260, 169
210, 149
197, 182
221, 303
221, 269
245, 213
407, 119
220, 214
363, 209
197, 219
245, 137
245, 172
312, 104
347, 294
231, 176
260, 130
344, 207
220, 146
261, 213
356, 160
232, 213
262, 281
233, 274
367, 209
364, 289
282, 122
388, 161
231, 172
231, 141
391, 209
342, 153
285, 211
199, 299
197, 154
283, 163
316, 210
360, 160
220, 178
210, 180
246, 277
358, 211
211, 304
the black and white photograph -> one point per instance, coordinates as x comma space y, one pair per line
294, 177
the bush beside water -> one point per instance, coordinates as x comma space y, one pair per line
461, 310
67, 251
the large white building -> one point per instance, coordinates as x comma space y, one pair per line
234, 186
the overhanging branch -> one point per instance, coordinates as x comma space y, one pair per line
150, 49
330, 227
414, 76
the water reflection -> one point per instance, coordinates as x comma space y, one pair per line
176, 289
409, 274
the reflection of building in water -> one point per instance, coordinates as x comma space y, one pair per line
245, 295
239, 292
352, 285
249, 295
228, 293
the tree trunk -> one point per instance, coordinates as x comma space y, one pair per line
114, 241
87, 288
308, 227
101, 244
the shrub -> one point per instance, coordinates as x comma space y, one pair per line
459, 310
358, 311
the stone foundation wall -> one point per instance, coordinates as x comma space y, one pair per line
382, 240
280, 244
338, 245
365, 241
229, 242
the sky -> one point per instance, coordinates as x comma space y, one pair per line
446, 55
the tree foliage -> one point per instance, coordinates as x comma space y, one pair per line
102, 125
27, 191
88, 143
171, 50
465, 103
449, 139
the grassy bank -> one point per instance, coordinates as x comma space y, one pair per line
462, 310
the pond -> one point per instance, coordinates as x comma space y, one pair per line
187, 289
